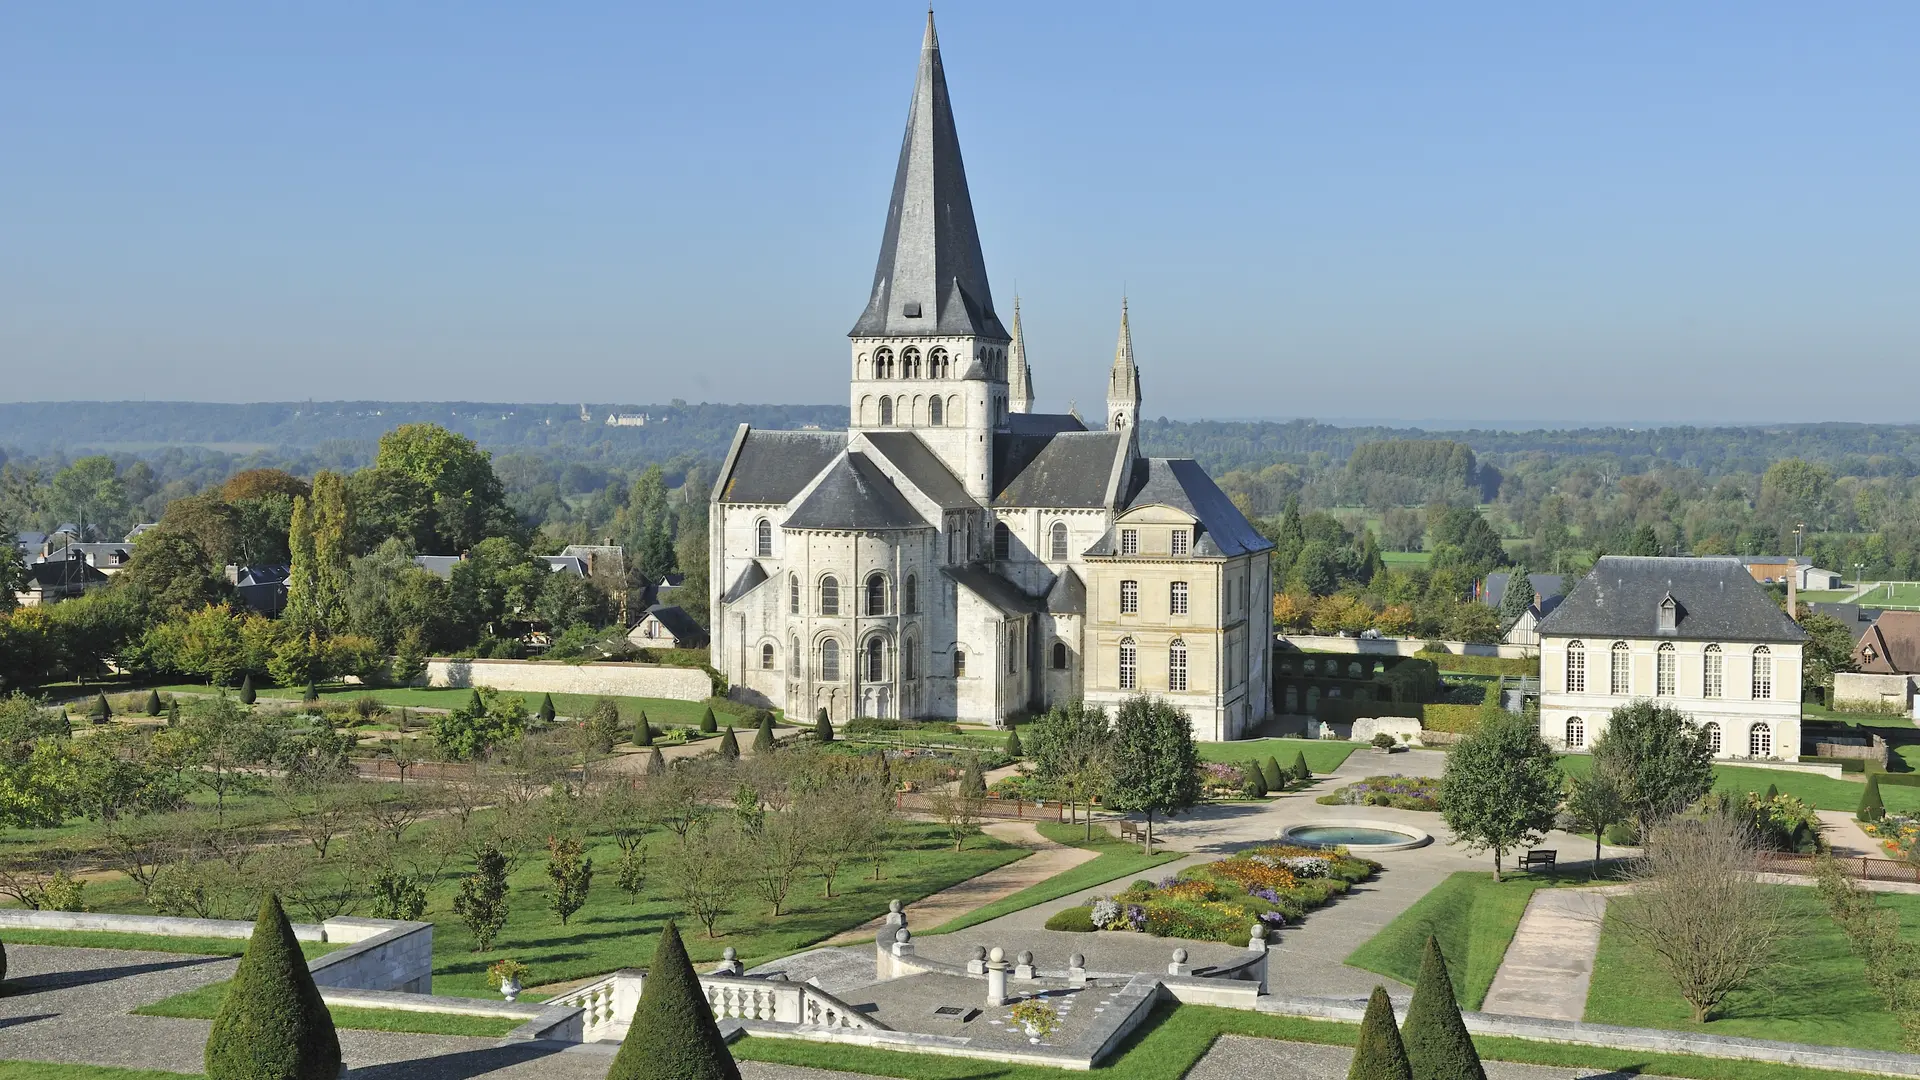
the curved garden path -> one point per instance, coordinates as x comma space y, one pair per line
1048, 859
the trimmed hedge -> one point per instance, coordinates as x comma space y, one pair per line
1438, 1046
673, 1035
1077, 920
1458, 719
1413, 680
272, 1024
1482, 665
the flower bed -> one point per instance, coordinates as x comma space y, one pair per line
1399, 792
1221, 901
1897, 834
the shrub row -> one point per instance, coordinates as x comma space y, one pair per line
1482, 665
1458, 719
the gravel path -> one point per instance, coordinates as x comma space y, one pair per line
1239, 1057
1549, 963
1048, 859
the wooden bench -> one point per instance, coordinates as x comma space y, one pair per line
1539, 859
1130, 830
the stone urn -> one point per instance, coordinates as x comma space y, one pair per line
510, 988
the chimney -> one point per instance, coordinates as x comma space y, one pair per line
1793, 588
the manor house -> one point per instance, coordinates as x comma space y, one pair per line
956, 555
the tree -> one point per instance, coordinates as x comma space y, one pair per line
706, 872
1829, 647
173, 572
571, 873
1013, 748
656, 762
1255, 780
488, 720
673, 1035
778, 854
973, 783
1069, 751
600, 728
1438, 1046
247, 694
1659, 757
154, 704
1275, 777
729, 746
708, 725
643, 730
90, 493
1501, 786
1698, 907
482, 901
272, 1024
763, 739
320, 537
1155, 763
822, 728
1378, 1053
1301, 773
1871, 808
546, 712
468, 502
1518, 599
100, 712
1596, 803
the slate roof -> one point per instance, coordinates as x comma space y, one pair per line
678, 623
1068, 594
437, 565
1855, 617
565, 564
99, 553
750, 579
855, 494
262, 575
1891, 646
1717, 601
1544, 585
62, 574
774, 466
1064, 469
922, 468
1043, 423
930, 262
30, 542
1182, 484
994, 589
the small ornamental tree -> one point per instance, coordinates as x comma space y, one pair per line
673, 1035
1501, 787
1014, 749
1594, 801
729, 746
656, 763
1772, 794
822, 728
1301, 774
545, 712
1438, 1046
272, 1024
1660, 758
708, 725
1379, 1054
1155, 767
247, 694
763, 739
312, 693
154, 705
1871, 808
100, 712
173, 713
482, 902
643, 730
571, 873
1255, 780
973, 783
1271, 772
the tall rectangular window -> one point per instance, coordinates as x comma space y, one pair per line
1576, 668
1622, 669
1129, 666
1177, 666
1177, 598
1129, 598
1663, 672
1181, 539
1711, 672
1762, 674
1129, 541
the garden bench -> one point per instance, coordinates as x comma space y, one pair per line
1129, 830
1539, 858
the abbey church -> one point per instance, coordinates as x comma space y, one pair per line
955, 555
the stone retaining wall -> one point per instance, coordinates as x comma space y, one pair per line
1386, 646
552, 677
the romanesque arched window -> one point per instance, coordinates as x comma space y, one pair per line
909, 360
956, 411
763, 539
1059, 656
959, 663
909, 658
1057, 543
793, 594
886, 412
876, 594
876, 660
766, 657
793, 657
829, 595
909, 597
1002, 540
830, 660
883, 364
937, 363
935, 414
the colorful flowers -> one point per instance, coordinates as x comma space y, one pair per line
1271, 886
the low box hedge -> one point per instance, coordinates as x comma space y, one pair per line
1456, 719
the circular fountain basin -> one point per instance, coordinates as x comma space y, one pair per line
1359, 837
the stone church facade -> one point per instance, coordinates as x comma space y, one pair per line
956, 555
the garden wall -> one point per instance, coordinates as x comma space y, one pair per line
1402, 646
1874, 691
554, 677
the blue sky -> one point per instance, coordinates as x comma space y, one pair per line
1449, 213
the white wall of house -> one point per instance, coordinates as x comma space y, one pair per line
1735, 708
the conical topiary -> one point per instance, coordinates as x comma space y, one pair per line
100, 712
763, 739
973, 782
707, 723
1379, 1054
154, 705
729, 746
66, 721
312, 693
1275, 776
546, 708
822, 727
1772, 794
642, 730
272, 1025
1871, 808
673, 1035
476, 705
1252, 782
247, 694
1438, 1046
1014, 749
3, 961
1301, 774
656, 762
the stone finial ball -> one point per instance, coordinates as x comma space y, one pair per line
730, 954
979, 952
998, 954
1076, 960
903, 935
893, 907
1259, 930
1025, 957
1179, 956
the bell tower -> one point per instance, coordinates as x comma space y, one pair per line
1123, 383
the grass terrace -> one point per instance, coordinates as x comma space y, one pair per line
1821, 792
1474, 919
204, 1003
193, 946
1322, 756
1116, 859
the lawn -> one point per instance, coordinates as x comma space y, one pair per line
203, 1003
107, 939
1892, 594
1405, 560
1822, 792
1322, 756
1176, 1037
1116, 859
1818, 992
661, 712
1474, 919
46, 1070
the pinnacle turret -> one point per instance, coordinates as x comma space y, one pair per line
1123, 383
1019, 378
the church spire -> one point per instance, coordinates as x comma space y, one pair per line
931, 278
1123, 384
1019, 378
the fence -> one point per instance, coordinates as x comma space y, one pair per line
989, 807
1863, 867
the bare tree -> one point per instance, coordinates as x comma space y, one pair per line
1698, 908
706, 873
777, 855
